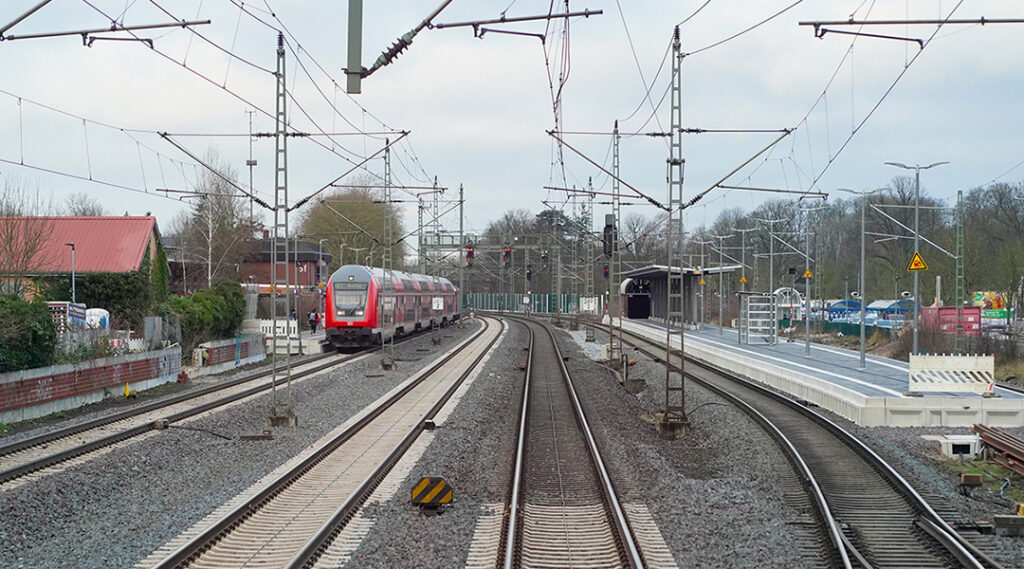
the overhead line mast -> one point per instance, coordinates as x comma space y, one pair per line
673, 422
281, 414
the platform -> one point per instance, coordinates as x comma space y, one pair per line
831, 379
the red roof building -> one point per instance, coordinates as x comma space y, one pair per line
102, 244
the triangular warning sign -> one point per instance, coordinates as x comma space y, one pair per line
702, 281
743, 279
917, 263
808, 275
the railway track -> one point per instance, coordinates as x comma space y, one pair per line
22, 460
883, 521
563, 509
291, 521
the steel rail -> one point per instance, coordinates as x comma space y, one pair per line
199, 543
512, 514
50, 436
789, 449
622, 527
318, 544
57, 458
930, 520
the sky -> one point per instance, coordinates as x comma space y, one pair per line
87, 119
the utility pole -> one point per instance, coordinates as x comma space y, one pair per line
588, 267
917, 236
721, 274
250, 163
420, 252
703, 283
673, 422
960, 295
386, 312
743, 256
614, 264
281, 414
462, 262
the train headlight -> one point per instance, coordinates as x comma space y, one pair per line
359, 312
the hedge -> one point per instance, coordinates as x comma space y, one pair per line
28, 337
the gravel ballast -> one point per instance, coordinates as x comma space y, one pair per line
112, 511
715, 494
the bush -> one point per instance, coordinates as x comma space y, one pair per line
209, 314
28, 337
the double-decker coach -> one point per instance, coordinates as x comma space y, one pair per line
355, 305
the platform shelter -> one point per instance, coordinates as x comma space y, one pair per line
644, 291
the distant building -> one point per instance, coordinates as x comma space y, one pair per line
307, 267
101, 245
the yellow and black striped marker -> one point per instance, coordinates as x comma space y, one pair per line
431, 492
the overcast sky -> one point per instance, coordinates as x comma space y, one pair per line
478, 109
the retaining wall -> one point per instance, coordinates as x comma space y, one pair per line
33, 393
222, 355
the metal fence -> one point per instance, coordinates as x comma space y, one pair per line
540, 303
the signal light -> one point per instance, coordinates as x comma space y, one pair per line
529, 272
469, 254
606, 270
506, 256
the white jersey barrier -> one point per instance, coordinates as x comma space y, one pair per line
952, 374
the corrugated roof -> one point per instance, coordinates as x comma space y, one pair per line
102, 244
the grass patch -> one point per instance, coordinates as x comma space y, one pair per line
993, 476
3, 429
1014, 370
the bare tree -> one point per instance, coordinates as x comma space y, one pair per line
84, 205
213, 232
25, 224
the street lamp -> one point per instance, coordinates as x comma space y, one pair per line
72, 245
357, 250
917, 234
341, 256
721, 294
863, 297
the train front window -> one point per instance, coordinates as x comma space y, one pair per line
350, 296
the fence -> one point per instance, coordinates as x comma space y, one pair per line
541, 303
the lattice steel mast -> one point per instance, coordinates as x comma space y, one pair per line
281, 413
614, 262
673, 421
387, 297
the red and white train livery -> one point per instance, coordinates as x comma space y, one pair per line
355, 305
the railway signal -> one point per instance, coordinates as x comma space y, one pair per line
529, 272
606, 270
506, 256
469, 254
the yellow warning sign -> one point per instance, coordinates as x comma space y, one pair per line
808, 275
431, 492
917, 263
702, 281
743, 279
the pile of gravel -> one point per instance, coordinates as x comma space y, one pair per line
112, 511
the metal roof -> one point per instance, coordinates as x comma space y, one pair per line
661, 270
102, 244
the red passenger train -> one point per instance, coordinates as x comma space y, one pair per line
354, 305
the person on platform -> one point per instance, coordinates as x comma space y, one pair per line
314, 319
